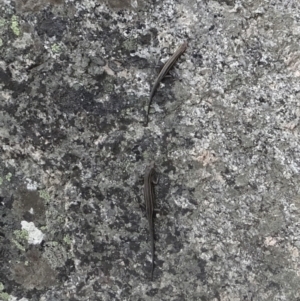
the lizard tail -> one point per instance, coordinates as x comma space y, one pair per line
152, 248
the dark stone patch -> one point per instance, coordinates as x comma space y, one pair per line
86, 209
145, 39
202, 274
152, 292
5, 255
147, 142
100, 247
117, 102
75, 207
169, 167
89, 192
173, 240
107, 264
5, 77
135, 246
51, 26
118, 4
68, 160
38, 131
37, 274
79, 287
27, 199
137, 62
227, 2
56, 2
17, 88
7, 202
24, 6
71, 101
115, 146
137, 152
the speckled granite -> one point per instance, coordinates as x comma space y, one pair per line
75, 77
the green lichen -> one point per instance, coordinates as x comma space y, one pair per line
15, 25
55, 48
21, 239
67, 239
55, 254
21, 235
4, 296
1, 181
1, 286
44, 195
8, 177
130, 44
2, 22
108, 84
18, 245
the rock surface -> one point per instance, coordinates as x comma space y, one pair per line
75, 78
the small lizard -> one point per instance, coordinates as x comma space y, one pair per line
149, 196
168, 65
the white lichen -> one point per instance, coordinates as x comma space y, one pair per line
35, 235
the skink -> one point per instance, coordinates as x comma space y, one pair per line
168, 65
149, 196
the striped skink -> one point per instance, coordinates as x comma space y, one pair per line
168, 65
149, 195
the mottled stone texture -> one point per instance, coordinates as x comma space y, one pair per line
75, 77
